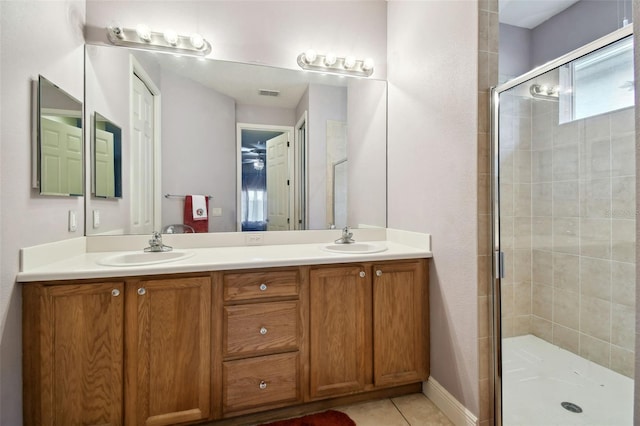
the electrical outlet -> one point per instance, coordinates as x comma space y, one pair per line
253, 239
73, 221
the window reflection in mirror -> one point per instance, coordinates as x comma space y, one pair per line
59, 142
107, 158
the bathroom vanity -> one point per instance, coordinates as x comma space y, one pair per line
125, 345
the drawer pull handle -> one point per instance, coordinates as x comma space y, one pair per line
263, 287
263, 331
379, 273
115, 292
142, 291
263, 384
362, 274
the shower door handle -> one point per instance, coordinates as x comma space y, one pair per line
499, 267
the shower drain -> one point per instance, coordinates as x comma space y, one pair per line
570, 406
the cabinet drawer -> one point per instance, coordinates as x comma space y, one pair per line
258, 328
256, 382
256, 285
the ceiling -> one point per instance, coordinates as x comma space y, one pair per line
530, 13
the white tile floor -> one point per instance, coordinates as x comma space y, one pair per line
538, 377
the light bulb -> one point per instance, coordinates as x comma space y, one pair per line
143, 32
117, 31
330, 59
310, 56
349, 62
171, 37
367, 65
196, 41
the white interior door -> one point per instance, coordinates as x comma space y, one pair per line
104, 164
142, 159
61, 158
278, 184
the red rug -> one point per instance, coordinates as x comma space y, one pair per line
326, 418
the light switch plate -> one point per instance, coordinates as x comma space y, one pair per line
216, 211
73, 221
96, 218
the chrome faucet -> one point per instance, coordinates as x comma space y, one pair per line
347, 237
155, 244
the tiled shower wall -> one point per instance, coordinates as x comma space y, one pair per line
568, 230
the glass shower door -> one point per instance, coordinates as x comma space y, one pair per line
565, 160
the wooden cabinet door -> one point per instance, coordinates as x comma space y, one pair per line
340, 330
168, 356
400, 323
73, 354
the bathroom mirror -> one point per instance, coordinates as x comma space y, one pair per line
59, 142
180, 119
107, 158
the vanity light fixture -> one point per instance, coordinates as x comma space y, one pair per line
168, 41
544, 92
330, 63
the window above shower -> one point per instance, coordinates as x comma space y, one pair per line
597, 83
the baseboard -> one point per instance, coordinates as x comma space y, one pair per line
448, 404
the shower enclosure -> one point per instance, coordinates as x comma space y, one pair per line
564, 239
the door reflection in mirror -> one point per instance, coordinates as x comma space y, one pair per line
107, 158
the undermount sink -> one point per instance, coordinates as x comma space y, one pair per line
144, 258
355, 248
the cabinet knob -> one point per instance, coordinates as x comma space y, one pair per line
142, 291
115, 292
263, 384
263, 331
263, 287
362, 274
378, 273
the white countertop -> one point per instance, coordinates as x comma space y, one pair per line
84, 265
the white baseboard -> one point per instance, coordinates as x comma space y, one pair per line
448, 404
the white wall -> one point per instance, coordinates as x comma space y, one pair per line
367, 145
35, 38
515, 52
107, 87
432, 158
265, 32
253, 114
325, 103
199, 155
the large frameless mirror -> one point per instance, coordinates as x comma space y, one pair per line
59, 142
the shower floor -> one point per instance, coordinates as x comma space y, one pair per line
538, 376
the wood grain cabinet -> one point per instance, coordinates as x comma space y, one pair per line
168, 357
73, 354
85, 365
368, 327
262, 334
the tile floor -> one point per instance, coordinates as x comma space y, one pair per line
408, 410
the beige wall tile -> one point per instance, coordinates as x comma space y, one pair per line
566, 310
566, 162
484, 357
522, 166
507, 327
623, 283
595, 159
566, 338
623, 203
484, 275
622, 361
522, 299
623, 122
485, 400
542, 229
566, 272
566, 235
483, 316
522, 200
542, 267
566, 199
541, 165
595, 238
484, 235
595, 350
542, 302
541, 199
595, 198
506, 302
623, 320
522, 325
522, 265
493, 32
595, 318
598, 127
623, 158
507, 164
483, 70
542, 328
522, 233
623, 240
507, 193
595, 277
484, 193
569, 133
484, 153
483, 31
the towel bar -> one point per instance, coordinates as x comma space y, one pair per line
182, 196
